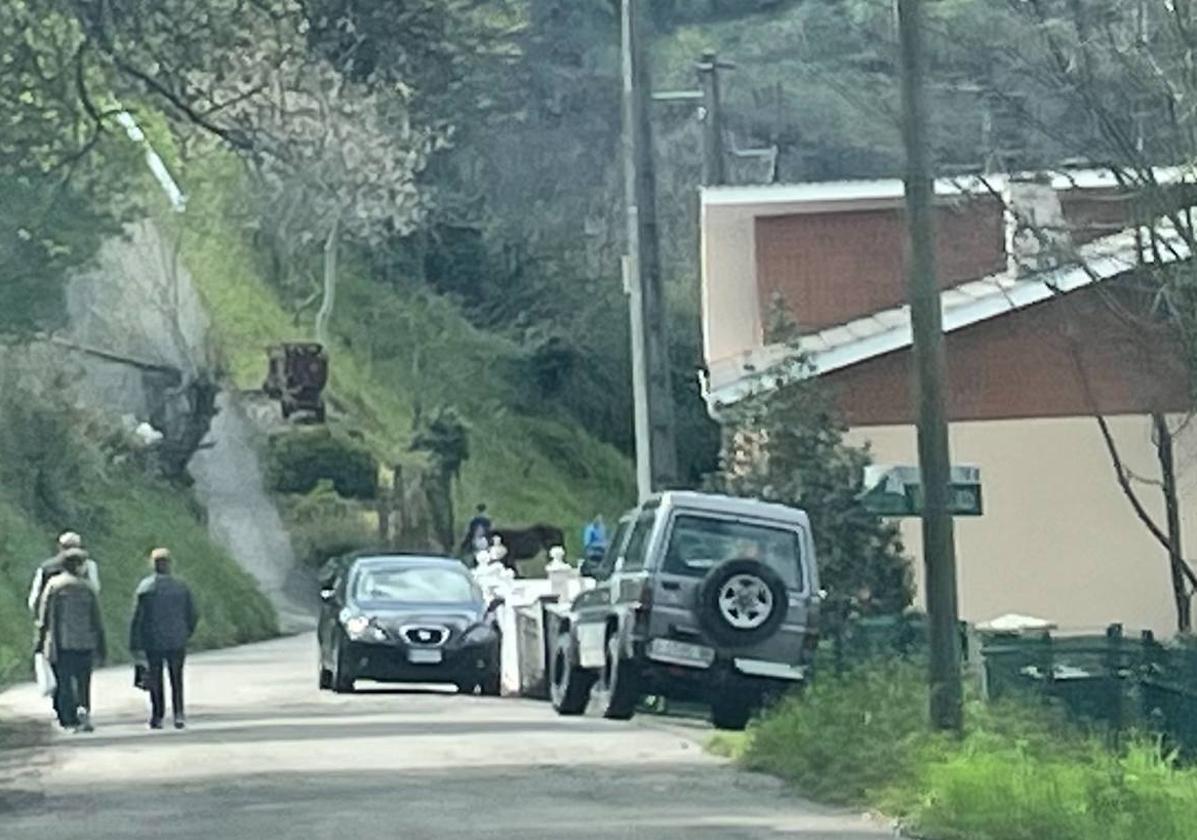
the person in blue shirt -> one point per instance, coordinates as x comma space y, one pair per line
594, 539
477, 536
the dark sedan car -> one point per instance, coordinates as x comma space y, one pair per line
397, 618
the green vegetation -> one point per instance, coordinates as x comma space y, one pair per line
298, 460
400, 354
60, 469
1021, 772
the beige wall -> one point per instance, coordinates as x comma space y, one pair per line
1058, 540
731, 319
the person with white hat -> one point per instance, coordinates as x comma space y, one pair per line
50, 568
68, 541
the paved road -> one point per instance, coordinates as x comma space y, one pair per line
270, 758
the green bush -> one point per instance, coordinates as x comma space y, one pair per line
1022, 772
847, 739
297, 461
323, 525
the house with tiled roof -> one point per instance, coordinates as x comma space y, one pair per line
1040, 339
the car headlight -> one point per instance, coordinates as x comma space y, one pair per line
361, 629
481, 634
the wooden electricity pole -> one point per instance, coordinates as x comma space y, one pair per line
939, 551
656, 446
713, 167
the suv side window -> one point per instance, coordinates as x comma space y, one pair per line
614, 549
636, 556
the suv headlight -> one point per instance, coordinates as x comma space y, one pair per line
362, 629
481, 634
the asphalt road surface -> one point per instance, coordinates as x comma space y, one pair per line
268, 757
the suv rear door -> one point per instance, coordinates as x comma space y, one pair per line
697, 542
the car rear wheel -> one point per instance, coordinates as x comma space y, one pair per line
620, 689
569, 685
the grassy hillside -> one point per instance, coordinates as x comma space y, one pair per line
400, 347
52, 477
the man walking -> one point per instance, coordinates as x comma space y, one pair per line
73, 639
164, 617
46, 571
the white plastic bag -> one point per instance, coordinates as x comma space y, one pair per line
46, 683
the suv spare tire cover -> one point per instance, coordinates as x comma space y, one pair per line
761, 618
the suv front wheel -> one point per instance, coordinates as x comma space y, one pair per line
569, 685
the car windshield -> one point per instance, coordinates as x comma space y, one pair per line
697, 544
416, 584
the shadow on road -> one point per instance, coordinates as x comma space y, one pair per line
20, 767
346, 730
598, 802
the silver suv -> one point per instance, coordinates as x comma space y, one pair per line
701, 597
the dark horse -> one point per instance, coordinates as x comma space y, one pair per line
526, 543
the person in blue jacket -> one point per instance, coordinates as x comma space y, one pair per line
594, 539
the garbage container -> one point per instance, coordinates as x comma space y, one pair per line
529, 640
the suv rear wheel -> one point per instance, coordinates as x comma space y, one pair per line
569, 685
620, 688
733, 707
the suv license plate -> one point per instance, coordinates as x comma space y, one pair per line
418, 656
681, 653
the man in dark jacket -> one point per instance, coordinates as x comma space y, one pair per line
73, 638
164, 617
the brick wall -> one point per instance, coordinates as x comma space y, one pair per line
836, 266
1020, 365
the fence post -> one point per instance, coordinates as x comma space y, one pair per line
1113, 664
1047, 664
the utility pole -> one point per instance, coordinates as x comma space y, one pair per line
939, 551
656, 446
713, 169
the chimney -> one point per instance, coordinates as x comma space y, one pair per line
1037, 236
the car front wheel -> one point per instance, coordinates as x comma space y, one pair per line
492, 684
342, 676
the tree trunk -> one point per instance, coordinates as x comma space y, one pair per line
330, 282
398, 498
1164, 450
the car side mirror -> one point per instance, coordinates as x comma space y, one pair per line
327, 595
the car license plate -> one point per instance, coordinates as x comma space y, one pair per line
682, 653
418, 656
